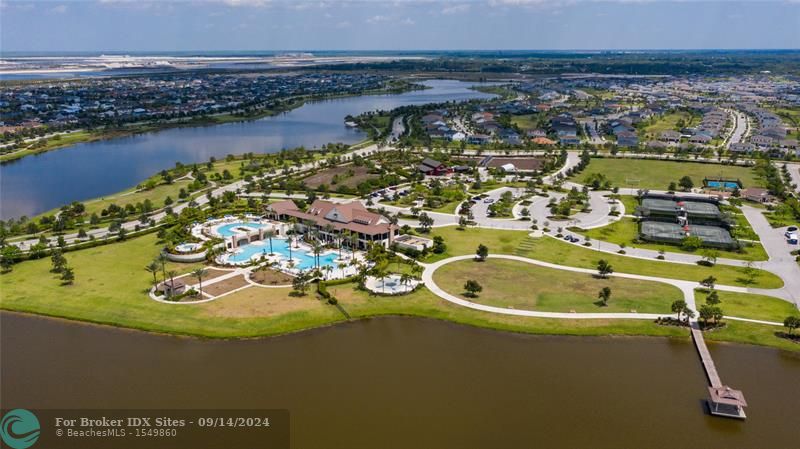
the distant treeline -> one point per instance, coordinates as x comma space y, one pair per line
786, 62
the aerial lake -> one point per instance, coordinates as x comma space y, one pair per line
403, 382
38, 183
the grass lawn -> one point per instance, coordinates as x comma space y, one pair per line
525, 122
626, 231
754, 334
111, 285
519, 285
630, 202
745, 305
556, 251
668, 122
446, 208
653, 174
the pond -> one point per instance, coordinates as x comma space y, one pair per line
39, 183
402, 382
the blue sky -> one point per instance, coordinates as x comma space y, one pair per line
141, 25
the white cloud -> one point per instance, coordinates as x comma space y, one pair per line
378, 19
60, 9
343, 24
407, 21
456, 9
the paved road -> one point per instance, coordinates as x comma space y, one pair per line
233, 187
794, 174
741, 127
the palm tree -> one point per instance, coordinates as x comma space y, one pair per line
269, 234
405, 278
162, 260
153, 268
199, 273
317, 248
342, 266
171, 274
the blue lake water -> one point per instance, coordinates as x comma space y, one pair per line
36, 184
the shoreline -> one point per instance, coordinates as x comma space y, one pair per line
209, 120
268, 336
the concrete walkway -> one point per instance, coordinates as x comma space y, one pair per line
687, 288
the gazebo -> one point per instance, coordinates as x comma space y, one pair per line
725, 401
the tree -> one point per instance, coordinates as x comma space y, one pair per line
750, 272
199, 273
604, 268
269, 234
691, 243
709, 282
9, 255
171, 274
672, 186
473, 288
462, 222
706, 313
425, 222
300, 282
792, 323
680, 307
152, 268
713, 298
686, 183
58, 260
710, 256
67, 276
482, 252
604, 295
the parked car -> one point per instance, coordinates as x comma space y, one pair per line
567, 238
574, 239
476, 198
792, 239
488, 201
790, 230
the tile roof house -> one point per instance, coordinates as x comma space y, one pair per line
432, 167
757, 194
331, 219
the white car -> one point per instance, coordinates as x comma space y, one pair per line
792, 239
790, 230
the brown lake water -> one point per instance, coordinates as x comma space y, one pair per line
400, 382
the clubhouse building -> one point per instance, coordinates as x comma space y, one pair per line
330, 220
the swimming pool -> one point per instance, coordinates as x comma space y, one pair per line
723, 184
228, 230
302, 260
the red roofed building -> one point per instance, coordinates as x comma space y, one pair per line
332, 219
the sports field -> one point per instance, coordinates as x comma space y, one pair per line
652, 174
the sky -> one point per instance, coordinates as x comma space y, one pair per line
185, 25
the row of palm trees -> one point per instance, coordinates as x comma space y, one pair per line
159, 264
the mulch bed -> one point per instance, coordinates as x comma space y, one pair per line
225, 286
271, 277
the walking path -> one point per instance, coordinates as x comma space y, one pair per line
686, 287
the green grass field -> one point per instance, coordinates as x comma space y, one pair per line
111, 285
757, 307
525, 122
653, 174
556, 251
669, 122
626, 230
519, 285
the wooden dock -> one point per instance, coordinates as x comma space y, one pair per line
705, 357
724, 401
